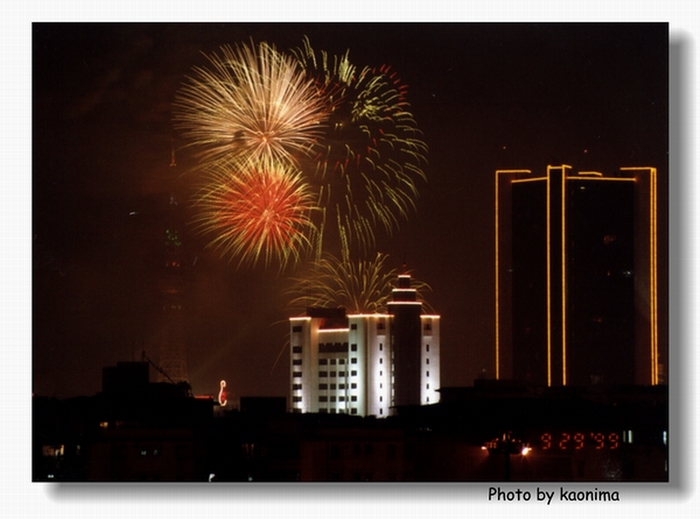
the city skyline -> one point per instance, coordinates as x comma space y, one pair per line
486, 97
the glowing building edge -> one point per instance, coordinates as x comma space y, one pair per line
556, 200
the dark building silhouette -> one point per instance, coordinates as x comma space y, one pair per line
576, 278
162, 434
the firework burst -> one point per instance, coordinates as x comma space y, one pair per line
251, 104
257, 213
371, 156
360, 286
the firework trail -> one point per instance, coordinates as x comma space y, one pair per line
251, 104
257, 212
366, 166
360, 286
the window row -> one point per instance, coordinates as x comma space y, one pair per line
339, 386
325, 410
324, 374
332, 362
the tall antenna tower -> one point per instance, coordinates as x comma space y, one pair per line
173, 350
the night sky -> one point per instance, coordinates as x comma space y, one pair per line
485, 96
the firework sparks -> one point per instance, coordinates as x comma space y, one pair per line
252, 104
361, 286
371, 156
258, 212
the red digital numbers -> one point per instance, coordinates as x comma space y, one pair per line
599, 439
563, 443
614, 440
546, 441
566, 441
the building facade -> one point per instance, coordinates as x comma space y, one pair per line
577, 278
365, 364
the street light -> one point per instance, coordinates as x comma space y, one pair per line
507, 445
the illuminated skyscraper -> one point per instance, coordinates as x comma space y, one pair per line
576, 278
365, 364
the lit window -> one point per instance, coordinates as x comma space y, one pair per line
52, 451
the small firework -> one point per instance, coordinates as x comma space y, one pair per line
371, 156
361, 286
257, 213
252, 104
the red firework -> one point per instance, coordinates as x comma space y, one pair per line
258, 213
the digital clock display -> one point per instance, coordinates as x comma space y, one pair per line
576, 441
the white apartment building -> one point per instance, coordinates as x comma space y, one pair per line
365, 364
